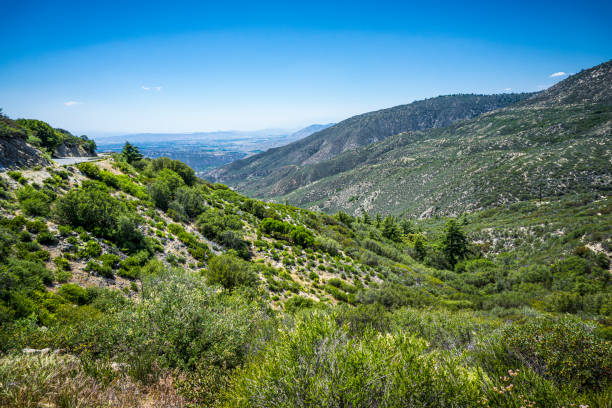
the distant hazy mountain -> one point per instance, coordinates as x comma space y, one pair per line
309, 130
264, 175
201, 136
557, 142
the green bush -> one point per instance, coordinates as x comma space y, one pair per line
94, 209
100, 268
296, 303
566, 350
90, 207
46, 238
230, 272
73, 293
62, 263
178, 322
92, 249
34, 202
90, 170
319, 364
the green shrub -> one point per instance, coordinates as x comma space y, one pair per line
34, 202
178, 322
63, 276
73, 293
230, 272
64, 230
319, 364
90, 207
62, 263
363, 317
46, 238
566, 350
101, 269
92, 249
90, 170
296, 303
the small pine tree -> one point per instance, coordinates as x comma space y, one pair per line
406, 226
378, 220
131, 153
454, 243
419, 249
366, 218
345, 218
390, 229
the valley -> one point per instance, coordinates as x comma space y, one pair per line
452, 252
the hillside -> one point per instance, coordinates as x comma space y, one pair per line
30, 142
14, 149
259, 175
156, 288
556, 142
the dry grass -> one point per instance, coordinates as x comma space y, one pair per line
60, 381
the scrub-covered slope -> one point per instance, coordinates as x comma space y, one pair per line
281, 170
555, 143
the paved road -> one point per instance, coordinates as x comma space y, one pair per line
73, 160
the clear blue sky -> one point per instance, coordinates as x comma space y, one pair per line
96, 67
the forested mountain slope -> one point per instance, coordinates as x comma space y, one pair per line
259, 175
556, 142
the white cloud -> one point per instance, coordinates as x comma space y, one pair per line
558, 74
507, 89
72, 103
151, 88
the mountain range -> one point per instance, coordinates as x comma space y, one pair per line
445, 155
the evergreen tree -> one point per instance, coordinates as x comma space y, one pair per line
366, 218
406, 226
419, 249
131, 153
454, 243
378, 220
345, 218
390, 229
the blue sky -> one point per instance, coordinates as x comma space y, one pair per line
99, 67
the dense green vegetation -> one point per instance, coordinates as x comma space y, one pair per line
143, 275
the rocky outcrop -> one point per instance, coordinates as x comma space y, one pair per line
15, 152
74, 150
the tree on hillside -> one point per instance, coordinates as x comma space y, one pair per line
345, 218
454, 243
406, 226
390, 229
131, 153
366, 218
419, 249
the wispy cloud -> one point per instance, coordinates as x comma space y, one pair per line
72, 103
507, 89
151, 88
558, 74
